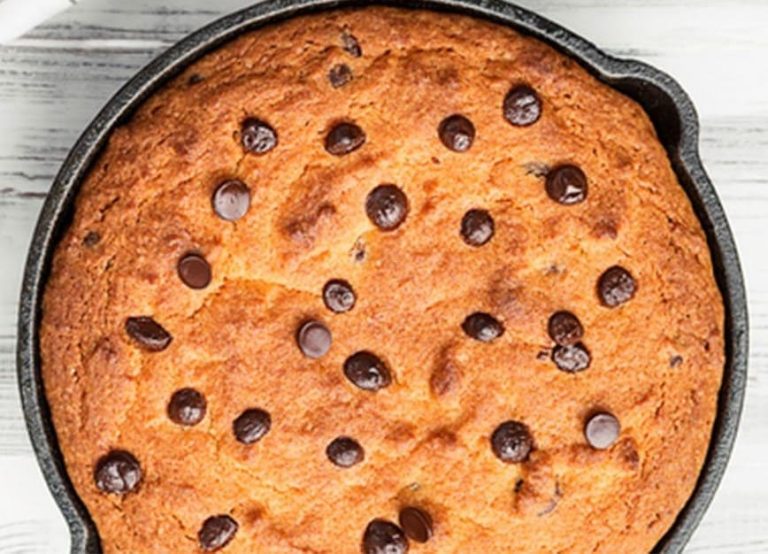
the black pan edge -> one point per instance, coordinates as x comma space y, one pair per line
663, 99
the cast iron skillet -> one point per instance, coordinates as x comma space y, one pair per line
669, 107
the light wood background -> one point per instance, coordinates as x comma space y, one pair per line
55, 79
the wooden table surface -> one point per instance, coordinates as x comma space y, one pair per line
57, 77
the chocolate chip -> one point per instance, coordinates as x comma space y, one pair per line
477, 227
384, 537
258, 137
367, 371
387, 207
91, 239
416, 524
483, 327
147, 333
351, 45
344, 138
339, 296
567, 184
340, 75
565, 328
231, 200
571, 358
117, 472
512, 442
522, 106
194, 79
216, 532
345, 452
602, 430
616, 286
314, 339
194, 271
457, 133
252, 425
675, 361
187, 407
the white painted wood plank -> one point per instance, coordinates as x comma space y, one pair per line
29, 520
54, 80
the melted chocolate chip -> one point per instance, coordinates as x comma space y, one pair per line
483, 327
147, 333
512, 442
216, 532
616, 286
457, 133
252, 425
344, 138
571, 358
416, 524
187, 407
118, 472
387, 207
345, 452
351, 45
384, 537
314, 339
339, 296
565, 328
477, 227
258, 137
340, 75
91, 239
367, 371
194, 271
231, 200
567, 184
522, 106
602, 430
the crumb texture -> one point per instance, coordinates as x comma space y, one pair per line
563, 191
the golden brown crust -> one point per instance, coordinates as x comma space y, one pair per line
426, 437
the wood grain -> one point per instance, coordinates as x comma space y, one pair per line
55, 79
